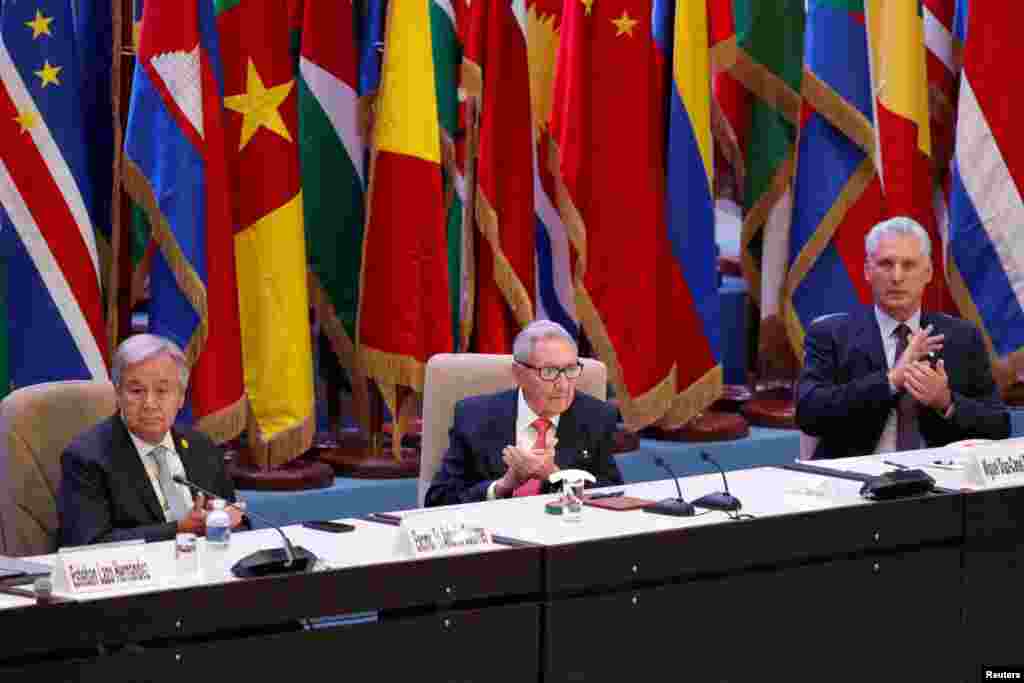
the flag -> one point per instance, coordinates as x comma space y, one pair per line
554, 299
333, 184
837, 197
498, 76
698, 34
986, 209
175, 169
769, 65
903, 140
270, 251
47, 193
633, 298
404, 310
447, 27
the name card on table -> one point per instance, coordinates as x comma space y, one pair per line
433, 535
994, 464
106, 566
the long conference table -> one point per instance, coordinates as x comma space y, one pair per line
820, 584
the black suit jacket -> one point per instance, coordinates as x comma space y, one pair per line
106, 495
484, 425
844, 397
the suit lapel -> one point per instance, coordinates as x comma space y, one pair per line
128, 462
868, 336
572, 447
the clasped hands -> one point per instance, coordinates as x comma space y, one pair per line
927, 385
195, 521
525, 463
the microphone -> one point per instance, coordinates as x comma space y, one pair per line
721, 500
676, 507
284, 560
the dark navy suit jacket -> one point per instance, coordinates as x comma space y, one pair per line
106, 495
844, 397
484, 425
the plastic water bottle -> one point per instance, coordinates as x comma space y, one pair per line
218, 526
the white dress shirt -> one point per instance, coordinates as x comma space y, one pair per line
887, 326
525, 431
145, 451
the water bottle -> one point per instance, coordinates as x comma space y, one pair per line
218, 525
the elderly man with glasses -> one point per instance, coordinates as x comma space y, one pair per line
507, 444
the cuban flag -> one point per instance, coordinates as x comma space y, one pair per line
47, 235
986, 243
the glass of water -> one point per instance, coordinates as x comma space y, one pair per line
186, 557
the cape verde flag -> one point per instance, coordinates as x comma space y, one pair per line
47, 236
986, 209
176, 169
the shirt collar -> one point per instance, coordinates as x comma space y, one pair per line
887, 324
144, 448
525, 414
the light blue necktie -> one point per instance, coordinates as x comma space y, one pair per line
176, 504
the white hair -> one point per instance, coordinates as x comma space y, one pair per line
900, 225
526, 340
142, 347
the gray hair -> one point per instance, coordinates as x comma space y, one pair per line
526, 340
142, 347
900, 225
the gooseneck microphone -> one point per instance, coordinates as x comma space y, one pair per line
284, 560
676, 507
721, 500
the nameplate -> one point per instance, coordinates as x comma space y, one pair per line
430, 535
104, 567
995, 464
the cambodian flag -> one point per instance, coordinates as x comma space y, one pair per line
176, 169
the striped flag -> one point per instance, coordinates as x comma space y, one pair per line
837, 196
176, 170
447, 26
270, 250
404, 310
903, 152
332, 154
554, 297
986, 209
769, 64
699, 33
47, 233
496, 70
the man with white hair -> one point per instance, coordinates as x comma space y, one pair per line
894, 377
117, 477
507, 444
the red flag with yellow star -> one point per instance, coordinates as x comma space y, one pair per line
262, 132
609, 123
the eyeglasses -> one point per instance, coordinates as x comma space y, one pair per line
551, 373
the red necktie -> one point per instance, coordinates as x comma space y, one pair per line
532, 487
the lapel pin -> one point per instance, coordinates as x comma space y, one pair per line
184, 443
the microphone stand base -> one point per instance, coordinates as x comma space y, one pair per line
272, 562
719, 501
674, 507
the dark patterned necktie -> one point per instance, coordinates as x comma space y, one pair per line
908, 437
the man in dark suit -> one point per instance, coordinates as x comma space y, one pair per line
116, 478
892, 377
509, 443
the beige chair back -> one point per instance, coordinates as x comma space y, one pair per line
451, 377
36, 424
